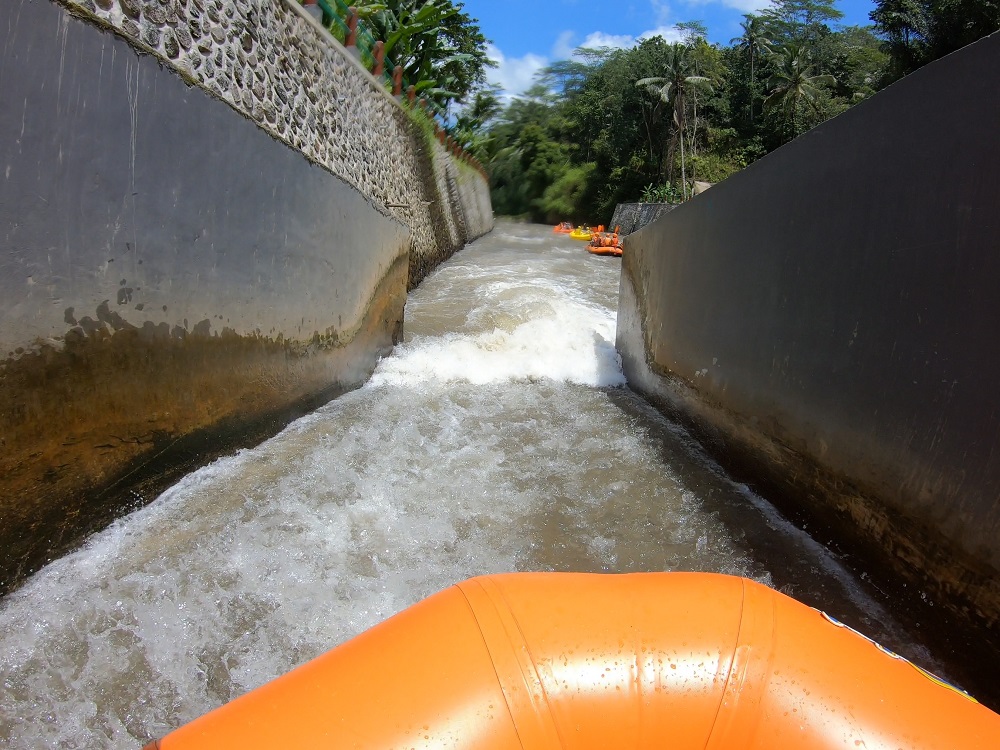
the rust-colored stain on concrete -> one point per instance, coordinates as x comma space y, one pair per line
85, 424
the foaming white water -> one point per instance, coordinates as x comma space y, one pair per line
532, 322
572, 344
480, 446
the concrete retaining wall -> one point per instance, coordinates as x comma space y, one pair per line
828, 317
209, 216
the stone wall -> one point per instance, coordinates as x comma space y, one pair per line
276, 65
632, 217
827, 320
209, 217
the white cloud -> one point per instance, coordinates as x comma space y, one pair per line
563, 48
745, 6
669, 34
599, 39
513, 74
661, 10
516, 74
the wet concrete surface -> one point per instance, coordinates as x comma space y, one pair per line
108, 421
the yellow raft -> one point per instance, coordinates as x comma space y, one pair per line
541, 661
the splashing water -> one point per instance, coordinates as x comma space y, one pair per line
497, 437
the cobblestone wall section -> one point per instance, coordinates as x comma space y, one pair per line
476, 203
273, 63
444, 182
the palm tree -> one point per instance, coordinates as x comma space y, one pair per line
753, 42
793, 83
672, 88
706, 61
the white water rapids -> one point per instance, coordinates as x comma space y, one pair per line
498, 437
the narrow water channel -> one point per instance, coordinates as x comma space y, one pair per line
499, 436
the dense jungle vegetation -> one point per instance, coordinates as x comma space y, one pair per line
617, 125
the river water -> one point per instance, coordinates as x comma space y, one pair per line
499, 436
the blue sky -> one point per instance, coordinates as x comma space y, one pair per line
527, 35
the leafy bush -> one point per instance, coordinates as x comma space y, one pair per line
661, 194
563, 198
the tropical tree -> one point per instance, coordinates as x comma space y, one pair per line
793, 83
671, 89
565, 197
440, 48
706, 63
800, 21
919, 31
472, 123
753, 43
903, 24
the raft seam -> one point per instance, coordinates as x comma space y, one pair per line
711, 741
531, 659
489, 652
540, 731
748, 682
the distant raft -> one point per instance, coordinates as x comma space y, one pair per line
685, 661
581, 233
606, 243
563, 228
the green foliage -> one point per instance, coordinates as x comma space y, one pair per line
614, 125
915, 32
713, 167
473, 122
564, 198
440, 48
661, 194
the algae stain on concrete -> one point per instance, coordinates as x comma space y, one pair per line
87, 425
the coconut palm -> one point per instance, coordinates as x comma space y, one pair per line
793, 83
672, 89
753, 43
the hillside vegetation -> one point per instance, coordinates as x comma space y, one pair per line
646, 123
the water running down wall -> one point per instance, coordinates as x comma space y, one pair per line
195, 245
827, 320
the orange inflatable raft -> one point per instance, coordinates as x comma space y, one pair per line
683, 661
606, 243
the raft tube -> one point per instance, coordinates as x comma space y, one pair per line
615, 250
540, 661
